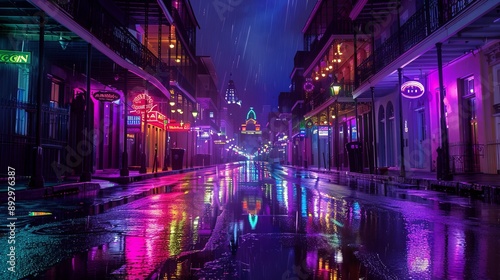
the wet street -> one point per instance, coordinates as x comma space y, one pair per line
252, 220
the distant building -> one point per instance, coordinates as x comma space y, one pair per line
251, 126
231, 97
250, 133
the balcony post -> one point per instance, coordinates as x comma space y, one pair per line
374, 124
445, 160
125, 171
37, 180
86, 175
401, 137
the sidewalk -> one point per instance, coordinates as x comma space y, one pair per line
101, 179
113, 175
482, 186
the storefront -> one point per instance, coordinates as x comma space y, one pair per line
143, 115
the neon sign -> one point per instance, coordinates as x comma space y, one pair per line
323, 131
106, 96
142, 102
15, 57
412, 89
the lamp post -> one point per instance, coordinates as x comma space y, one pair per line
335, 88
195, 138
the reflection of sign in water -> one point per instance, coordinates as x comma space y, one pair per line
253, 219
412, 89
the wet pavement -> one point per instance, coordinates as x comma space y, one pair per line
256, 221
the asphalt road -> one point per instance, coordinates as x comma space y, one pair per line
254, 221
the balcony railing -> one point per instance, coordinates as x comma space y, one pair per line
465, 157
316, 99
177, 75
17, 137
419, 26
181, 28
336, 27
105, 27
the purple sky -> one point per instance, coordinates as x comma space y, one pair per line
256, 41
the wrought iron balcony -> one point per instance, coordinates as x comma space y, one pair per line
90, 15
336, 27
419, 26
177, 75
184, 32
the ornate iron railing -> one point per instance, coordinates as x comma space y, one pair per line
465, 157
17, 144
338, 27
177, 75
419, 26
105, 27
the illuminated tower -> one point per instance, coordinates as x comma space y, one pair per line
231, 97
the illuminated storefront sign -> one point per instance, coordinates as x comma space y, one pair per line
176, 127
412, 89
106, 96
154, 118
15, 57
142, 102
323, 131
205, 135
133, 120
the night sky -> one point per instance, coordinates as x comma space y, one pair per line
256, 41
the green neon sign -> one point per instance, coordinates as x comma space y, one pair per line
15, 57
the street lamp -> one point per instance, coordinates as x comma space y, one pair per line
195, 138
335, 87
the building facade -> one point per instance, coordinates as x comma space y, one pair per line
96, 85
406, 85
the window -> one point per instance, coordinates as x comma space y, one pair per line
469, 86
54, 94
211, 115
54, 119
22, 97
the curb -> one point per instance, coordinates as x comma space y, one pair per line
52, 191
